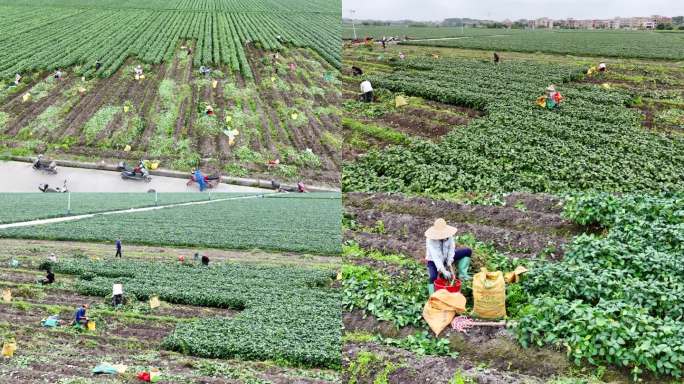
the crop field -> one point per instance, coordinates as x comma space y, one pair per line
208, 328
307, 224
596, 141
17, 207
595, 287
264, 109
632, 44
581, 196
81, 32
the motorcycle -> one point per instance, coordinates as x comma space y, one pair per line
130, 173
40, 165
48, 189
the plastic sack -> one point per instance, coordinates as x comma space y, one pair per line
214, 84
441, 308
154, 302
514, 277
104, 368
400, 101
90, 325
489, 294
6, 295
8, 349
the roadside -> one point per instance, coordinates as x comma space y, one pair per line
22, 178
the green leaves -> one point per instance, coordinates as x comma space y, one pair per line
615, 299
287, 313
593, 142
294, 223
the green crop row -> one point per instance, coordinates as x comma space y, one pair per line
319, 6
309, 225
16, 207
112, 34
592, 142
616, 298
287, 314
627, 44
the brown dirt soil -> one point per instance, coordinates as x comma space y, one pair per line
511, 230
409, 368
33, 252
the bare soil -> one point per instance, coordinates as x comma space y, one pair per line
520, 233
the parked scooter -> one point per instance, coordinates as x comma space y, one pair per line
45, 166
48, 189
139, 173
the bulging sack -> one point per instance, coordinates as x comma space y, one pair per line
489, 294
441, 308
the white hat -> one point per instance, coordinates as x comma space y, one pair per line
440, 230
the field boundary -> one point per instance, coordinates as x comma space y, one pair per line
116, 212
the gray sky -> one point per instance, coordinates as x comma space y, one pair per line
508, 9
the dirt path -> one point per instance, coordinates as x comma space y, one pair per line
33, 252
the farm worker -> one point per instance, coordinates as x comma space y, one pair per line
205, 260
384, 42
80, 317
196, 256
602, 67
17, 79
140, 168
356, 71
58, 74
138, 72
117, 243
209, 110
205, 70
189, 51
52, 258
367, 91
301, 188
98, 65
293, 67
199, 178
117, 295
552, 98
441, 252
401, 55
496, 58
49, 277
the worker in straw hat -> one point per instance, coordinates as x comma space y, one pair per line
441, 253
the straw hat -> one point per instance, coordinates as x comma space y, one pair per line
551, 88
440, 230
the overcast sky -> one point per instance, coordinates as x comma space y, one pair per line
425, 10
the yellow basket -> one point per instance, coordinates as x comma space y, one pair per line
8, 349
90, 325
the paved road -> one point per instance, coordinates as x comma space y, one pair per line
20, 177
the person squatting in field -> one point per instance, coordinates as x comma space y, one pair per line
117, 295
441, 253
80, 316
366, 91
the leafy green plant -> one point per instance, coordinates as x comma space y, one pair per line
291, 314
